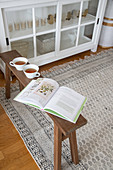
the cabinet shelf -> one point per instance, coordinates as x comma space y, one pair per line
46, 32
83, 40
21, 33
46, 28
88, 19
66, 45
74, 22
70, 23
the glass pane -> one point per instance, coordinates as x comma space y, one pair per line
89, 11
86, 33
68, 39
24, 47
45, 18
19, 23
45, 43
70, 15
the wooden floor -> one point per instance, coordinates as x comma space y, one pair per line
13, 153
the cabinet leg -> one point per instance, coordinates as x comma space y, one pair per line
57, 147
73, 147
7, 76
94, 49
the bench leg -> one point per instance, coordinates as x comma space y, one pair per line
21, 86
57, 147
73, 147
7, 76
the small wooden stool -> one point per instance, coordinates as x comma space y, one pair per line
64, 129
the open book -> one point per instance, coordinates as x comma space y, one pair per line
45, 94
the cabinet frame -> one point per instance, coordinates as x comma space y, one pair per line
57, 54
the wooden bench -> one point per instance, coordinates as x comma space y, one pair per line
62, 128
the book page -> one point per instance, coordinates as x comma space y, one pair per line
38, 92
66, 102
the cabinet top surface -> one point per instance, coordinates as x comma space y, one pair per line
11, 3
5, 1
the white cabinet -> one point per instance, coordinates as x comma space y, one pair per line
46, 31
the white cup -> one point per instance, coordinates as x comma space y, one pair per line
31, 71
19, 63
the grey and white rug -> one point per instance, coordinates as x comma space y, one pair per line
93, 78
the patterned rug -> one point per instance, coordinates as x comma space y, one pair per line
93, 78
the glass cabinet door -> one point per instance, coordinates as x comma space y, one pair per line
70, 15
88, 21
19, 22
78, 21
89, 11
45, 18
31, 31
19, 30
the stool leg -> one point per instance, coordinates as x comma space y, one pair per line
57, 147
73, 146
